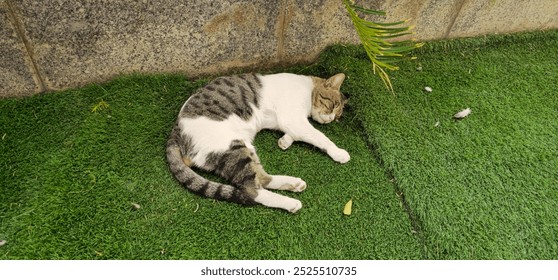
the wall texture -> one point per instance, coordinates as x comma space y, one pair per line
56, 44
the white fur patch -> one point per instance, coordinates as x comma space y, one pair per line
288, 96
216, 136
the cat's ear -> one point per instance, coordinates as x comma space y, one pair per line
335, 81
345, 100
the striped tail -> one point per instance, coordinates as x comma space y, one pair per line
198, 184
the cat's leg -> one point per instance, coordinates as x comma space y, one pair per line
304, 131
285, 142
241, 166
286, 183
271, 199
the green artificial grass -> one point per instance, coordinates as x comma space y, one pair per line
69, 178
485, 187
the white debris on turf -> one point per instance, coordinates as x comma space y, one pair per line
462, 114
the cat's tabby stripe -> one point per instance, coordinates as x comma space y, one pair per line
254, 84
224, 96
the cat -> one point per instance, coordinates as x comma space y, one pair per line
217, 124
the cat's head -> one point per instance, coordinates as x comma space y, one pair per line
327, 99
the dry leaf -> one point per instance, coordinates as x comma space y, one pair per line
136, 206
348, 209
462, 114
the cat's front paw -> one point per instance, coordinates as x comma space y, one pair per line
339, 155
285, 142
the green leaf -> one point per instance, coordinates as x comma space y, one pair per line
374, 35
367, 11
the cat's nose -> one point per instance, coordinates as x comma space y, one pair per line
323, 118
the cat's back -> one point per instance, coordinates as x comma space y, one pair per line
225, 96
220, 112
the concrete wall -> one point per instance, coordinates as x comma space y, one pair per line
56, 44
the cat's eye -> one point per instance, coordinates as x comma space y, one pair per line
327, 104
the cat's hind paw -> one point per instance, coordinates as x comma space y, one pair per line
294, 206
286, 183
298, 185
285, 142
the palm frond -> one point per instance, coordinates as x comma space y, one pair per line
374, 35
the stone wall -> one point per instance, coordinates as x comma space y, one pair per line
56, 44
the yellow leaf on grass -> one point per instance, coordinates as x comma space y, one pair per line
348, 209
100, 106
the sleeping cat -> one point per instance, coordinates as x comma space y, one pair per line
217, 124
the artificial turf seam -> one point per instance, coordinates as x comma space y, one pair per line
441, 243
415, 222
